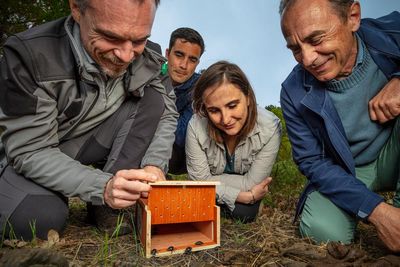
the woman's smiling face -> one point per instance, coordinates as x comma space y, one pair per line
226, 107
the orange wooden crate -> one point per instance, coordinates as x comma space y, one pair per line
178, 216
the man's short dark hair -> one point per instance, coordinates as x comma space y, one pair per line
340, 6
188, 34
83, 4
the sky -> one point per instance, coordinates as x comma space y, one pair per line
244, 32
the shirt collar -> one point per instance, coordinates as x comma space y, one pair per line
360, 52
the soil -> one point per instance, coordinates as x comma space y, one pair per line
270, 241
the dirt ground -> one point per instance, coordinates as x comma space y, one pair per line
270, 241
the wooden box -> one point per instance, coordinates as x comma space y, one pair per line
178, 217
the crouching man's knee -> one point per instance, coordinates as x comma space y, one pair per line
323, 221
322, 232
34, 217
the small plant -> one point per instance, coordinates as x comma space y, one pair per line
104, 251
120, 220
139, 249
11, 232
32, 226
105, 255
7, 227
238, 239
3, 235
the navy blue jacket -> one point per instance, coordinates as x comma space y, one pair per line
319, 143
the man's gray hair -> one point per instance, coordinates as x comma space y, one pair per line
340, 6
83, 4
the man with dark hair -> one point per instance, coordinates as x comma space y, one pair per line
186, 46
84, 114
341, 104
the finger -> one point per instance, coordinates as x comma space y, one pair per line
156, 171
382, 117
260, 194
387, 113
382, 111
134, 174
126, 189
372, 113
395, 111
120, 204
266, 182
136, 187
162, 178
124, 195
144, 194
378, 115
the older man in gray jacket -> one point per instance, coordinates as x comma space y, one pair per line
82, 113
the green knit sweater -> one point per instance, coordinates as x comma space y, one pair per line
350, 97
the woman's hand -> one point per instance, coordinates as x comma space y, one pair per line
260, 190
256, 193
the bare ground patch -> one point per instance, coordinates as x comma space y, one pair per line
270, 241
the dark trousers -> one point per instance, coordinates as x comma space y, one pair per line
244, 213
177, 163
120, 142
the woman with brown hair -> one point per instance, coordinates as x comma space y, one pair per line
231, 140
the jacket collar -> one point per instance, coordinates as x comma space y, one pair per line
315, 97
382, 37
371, 33
75, 46
142, 72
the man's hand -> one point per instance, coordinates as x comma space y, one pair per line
156, 171
260, 190
126, 187
386, 219
385, 105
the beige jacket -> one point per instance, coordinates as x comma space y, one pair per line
254, 156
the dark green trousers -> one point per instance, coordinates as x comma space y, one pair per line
323, 221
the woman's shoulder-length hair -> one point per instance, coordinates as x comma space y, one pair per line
215, 75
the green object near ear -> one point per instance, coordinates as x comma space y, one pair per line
164, 68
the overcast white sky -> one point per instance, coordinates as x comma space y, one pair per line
245, 32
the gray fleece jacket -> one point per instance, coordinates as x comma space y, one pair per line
254, 156
44, 96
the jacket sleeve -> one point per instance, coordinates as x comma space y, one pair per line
324, 174
160, 149
28, 116
232, 184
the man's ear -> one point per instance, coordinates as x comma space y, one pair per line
75, 12
166, 52
354, 16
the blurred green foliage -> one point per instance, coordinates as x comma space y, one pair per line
17, 16
287, 181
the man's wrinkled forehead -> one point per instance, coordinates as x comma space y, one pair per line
339, 8
305, 16
84, 4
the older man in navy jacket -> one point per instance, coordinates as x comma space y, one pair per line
342, 104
